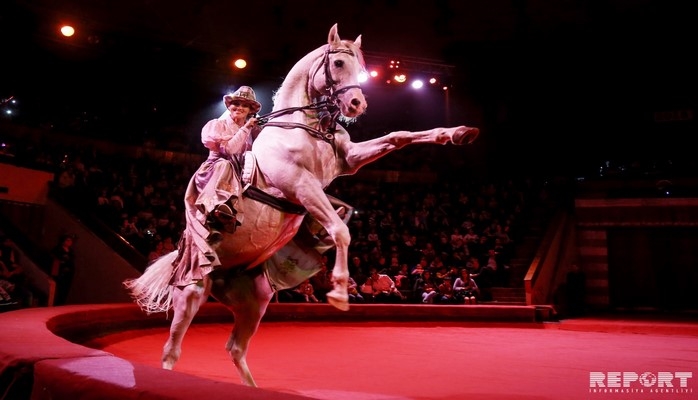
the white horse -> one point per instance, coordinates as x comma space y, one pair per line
300, 151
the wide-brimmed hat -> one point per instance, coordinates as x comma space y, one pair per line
244, 94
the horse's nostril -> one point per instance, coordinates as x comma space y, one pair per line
355, 102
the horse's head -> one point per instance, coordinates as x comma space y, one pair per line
338, 77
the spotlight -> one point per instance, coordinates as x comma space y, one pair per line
67, 30
240, 63
400, 78
417, 84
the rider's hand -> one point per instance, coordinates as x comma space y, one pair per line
251, 123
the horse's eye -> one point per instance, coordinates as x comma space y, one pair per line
338, 63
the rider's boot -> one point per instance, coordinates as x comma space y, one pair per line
339, 296
223, 218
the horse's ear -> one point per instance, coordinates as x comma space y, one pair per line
333, 38
357, 42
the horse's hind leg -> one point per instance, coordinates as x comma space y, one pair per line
186, 303
247, 295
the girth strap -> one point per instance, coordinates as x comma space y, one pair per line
284, 205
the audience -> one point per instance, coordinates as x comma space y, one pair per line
402, 231
13, 288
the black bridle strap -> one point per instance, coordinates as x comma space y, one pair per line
329, 82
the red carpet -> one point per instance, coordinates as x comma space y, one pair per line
432, 360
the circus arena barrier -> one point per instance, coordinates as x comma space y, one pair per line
41, 355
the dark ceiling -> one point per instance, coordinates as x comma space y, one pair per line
525, 70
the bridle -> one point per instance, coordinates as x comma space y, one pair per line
330, 83
328, 106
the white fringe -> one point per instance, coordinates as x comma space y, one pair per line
152, 290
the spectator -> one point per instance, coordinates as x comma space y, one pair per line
402, 279
353, 289
322, 281
425, 288
6, 288
383, 288
421, 266
306, 291
157, 251
445, 290
465, 288
63, 268
12, 272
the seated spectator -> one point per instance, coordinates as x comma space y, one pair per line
168, 245
402, 278
11, 272
441, 273
354, 295
366, 290
129, 229
306, 291
384, 290
288, 296
157, 251
322, 281
465, 288
425, 288
445, 292
418, 269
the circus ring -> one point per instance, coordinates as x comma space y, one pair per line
314, 351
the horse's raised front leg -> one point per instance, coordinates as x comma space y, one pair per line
247, 294
361, 153
310, 194
186, 303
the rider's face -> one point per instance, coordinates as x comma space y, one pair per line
239, 109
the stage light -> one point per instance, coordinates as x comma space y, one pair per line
67, 30
363, 77
432, 81
417, 84
240, 63
374, 73
400, 78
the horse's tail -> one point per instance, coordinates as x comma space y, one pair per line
152, 290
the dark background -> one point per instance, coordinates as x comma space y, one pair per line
560, 85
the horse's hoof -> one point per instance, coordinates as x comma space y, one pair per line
338, 301
465, 135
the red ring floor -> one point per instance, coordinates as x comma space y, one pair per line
361, 361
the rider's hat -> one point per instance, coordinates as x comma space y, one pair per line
244, 94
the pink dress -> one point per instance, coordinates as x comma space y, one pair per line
213, 183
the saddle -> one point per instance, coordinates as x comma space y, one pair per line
245, 165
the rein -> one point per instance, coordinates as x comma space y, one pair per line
329, 105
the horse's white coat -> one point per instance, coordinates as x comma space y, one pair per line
296, 166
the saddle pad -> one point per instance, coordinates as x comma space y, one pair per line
249, 170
